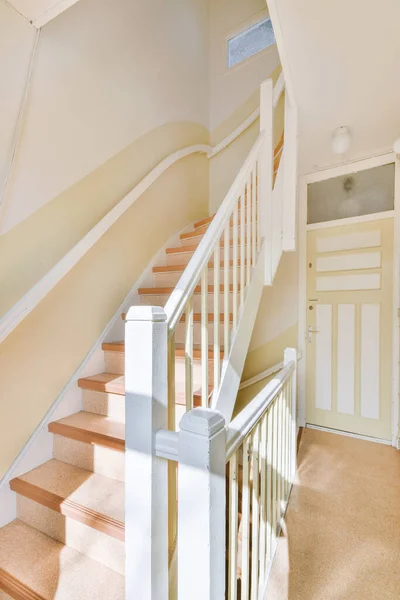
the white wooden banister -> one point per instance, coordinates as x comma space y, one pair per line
146, 475
201, 501
184, 289
184, 485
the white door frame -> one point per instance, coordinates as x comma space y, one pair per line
351, 167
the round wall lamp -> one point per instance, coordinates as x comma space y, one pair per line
396, 147
341, 140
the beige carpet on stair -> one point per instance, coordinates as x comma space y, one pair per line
342, 527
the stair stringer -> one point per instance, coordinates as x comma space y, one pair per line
39, 447
232, 369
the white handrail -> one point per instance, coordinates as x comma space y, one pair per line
278, 89
260, 376
31, 299
244, 422
235, 134
28, 302
185, 287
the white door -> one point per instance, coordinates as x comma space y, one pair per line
349, 327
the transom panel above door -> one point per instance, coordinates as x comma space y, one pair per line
349, 327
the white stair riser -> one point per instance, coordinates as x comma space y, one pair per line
182, 258
103, 403
92, 457
161, 300
119, 361
171, 279
180, 333
99, 546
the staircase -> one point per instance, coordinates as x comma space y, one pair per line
68, 541
71, 509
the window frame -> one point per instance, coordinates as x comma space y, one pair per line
248, 24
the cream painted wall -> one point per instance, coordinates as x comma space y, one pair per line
105, 74
49, 345
276, 324
230, 88
31, 248
234, 92
16, 44
108, 101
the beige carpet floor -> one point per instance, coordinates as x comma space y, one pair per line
342, 527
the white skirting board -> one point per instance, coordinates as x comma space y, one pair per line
349, 434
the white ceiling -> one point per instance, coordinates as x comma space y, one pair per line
344, 62
40, 12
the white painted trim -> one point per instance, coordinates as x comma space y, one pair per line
351, 167
278, 89
244, 422
276, 23
396, 307
235, 133
225, 398
302, 302
388, 214
28, 302
52, 12
184, 289
263, 375
357, 436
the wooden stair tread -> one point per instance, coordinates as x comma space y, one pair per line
34, 566
162, 291
196, 318
181, 268
92, 428
92, 499
203, 222
104, 384
193, 247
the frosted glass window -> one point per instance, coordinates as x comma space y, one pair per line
362, 193
250, 41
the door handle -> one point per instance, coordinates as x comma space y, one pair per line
310, 331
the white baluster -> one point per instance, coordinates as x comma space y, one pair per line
217, 291
235, 267
266, 173
226, 292
248, 230
242, 246
204, 337
189, 355
289, 356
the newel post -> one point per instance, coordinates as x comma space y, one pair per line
201, 505
265, 172
290, 355
146, 476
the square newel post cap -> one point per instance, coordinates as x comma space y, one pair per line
153, 314
202, 421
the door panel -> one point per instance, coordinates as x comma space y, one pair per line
349, 327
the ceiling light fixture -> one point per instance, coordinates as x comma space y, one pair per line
341, 140
396, 147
